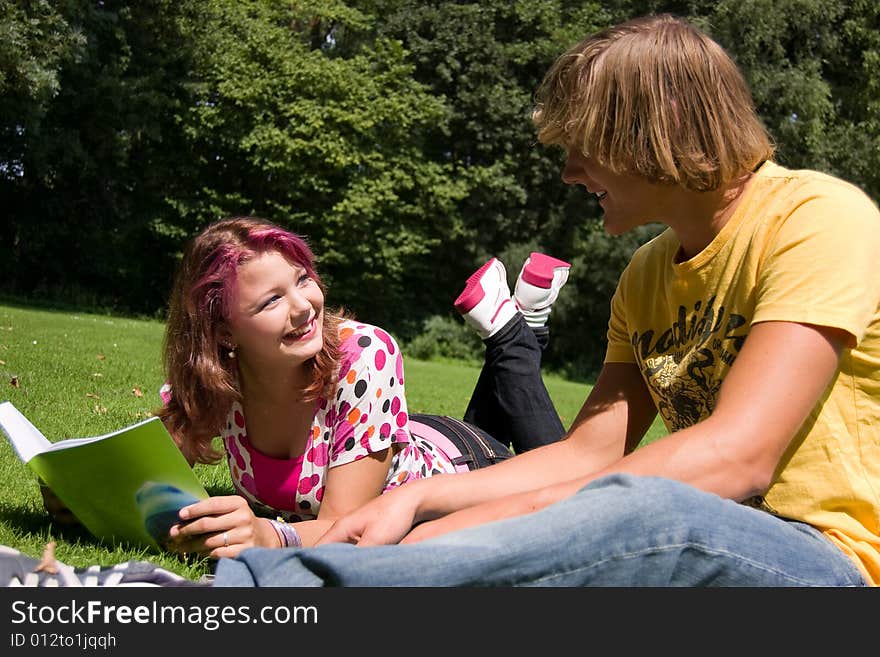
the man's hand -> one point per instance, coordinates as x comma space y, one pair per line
505, 507
382, 520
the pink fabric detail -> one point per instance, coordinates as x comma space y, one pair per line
498, 310
165, 393
385, 338
344, 431
320, 454
440, 441
249, 484
278, 478
308, 483
236, 454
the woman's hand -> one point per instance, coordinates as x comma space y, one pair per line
219, 526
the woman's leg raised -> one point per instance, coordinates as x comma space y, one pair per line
510, 400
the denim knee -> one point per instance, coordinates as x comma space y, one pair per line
648, 497
639, 513
686, 535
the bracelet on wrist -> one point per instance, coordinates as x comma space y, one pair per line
287, 534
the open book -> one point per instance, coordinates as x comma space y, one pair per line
127, 485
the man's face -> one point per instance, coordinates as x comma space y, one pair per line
627, 201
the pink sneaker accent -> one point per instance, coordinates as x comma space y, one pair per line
473, 292
539, 269
485, 303
538, 285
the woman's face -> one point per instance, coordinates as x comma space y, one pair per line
277, 312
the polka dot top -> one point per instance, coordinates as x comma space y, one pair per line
367, 414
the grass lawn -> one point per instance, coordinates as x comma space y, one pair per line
77, 374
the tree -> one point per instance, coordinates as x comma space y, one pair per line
394, 134
296, 121
91, 151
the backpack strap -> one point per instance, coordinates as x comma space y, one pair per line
438, 439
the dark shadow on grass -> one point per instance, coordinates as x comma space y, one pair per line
36, 522
40, 524
57, 305
216, 490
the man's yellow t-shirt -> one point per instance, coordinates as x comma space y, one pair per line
801, 247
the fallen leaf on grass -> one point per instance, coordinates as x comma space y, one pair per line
100, 410
137, 392
92, 395
14, 382
100, 357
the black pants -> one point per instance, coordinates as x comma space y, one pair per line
510, 404
510, 401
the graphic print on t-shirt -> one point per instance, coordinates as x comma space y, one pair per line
685, 363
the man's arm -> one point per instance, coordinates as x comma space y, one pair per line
774, 384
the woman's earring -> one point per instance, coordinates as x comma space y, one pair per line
231, 353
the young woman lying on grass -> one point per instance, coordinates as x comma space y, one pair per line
310, 403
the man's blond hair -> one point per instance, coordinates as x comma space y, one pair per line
657, 98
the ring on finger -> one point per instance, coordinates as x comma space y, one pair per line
225, 539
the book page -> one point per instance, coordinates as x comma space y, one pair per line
26, 439
103, 481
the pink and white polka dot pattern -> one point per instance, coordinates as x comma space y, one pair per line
368, 414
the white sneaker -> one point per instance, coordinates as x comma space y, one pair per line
538, 285
485, 303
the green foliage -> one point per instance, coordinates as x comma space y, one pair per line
328, 145
444, 337
394, 134
92, 171
35, 41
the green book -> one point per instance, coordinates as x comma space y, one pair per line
125, 486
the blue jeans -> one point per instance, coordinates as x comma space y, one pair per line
510, 401
620, 530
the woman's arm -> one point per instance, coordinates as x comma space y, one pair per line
347, 488
203, 524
